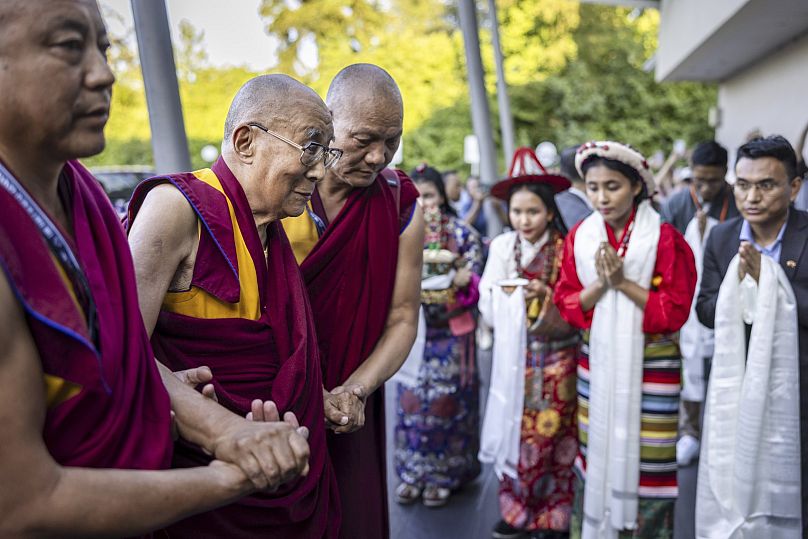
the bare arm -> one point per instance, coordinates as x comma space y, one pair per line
402, 321
40, 498
163, 238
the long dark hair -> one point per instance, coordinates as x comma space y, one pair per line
426, 174
545, 193
618, 166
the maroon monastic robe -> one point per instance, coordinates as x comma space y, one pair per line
350, 275
272, 358
107, 406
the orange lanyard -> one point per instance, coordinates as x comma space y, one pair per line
724, 209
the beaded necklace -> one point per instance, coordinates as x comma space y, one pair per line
436, 235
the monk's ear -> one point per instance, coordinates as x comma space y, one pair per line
243, 140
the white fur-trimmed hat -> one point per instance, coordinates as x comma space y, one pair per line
619, 152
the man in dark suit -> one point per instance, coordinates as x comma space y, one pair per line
766, 186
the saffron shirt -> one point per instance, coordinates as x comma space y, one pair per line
248, 318
106, 404
350, 274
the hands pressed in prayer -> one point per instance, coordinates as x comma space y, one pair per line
609, 266
348, 401
750, 261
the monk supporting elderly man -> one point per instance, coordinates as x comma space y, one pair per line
361, 244
86, 418
219, 286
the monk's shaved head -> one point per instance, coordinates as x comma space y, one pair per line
269, 99
368, 120
363, 85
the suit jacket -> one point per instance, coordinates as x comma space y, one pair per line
572, 208
722, 246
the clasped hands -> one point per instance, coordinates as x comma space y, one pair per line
609, 267
345, 408
266, 450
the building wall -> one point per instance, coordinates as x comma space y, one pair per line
771, 95
685, 25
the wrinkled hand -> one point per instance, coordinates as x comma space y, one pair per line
350, 401
462, 277
231, 477
611, 266
749, 262
269, 453
199, 376
534, 289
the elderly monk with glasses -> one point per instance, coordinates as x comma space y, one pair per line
219, 287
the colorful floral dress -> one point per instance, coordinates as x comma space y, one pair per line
437, 434
542, 497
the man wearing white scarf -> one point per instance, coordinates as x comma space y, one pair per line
694, 212
752, 481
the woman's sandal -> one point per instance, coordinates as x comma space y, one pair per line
436, 496
407, 494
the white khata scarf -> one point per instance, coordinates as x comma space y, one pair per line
749, 476
501, 431
616, 349
695, 340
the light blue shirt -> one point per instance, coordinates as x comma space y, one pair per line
773, 250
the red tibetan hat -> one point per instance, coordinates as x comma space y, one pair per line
526, 168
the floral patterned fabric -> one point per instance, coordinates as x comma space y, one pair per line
541, 498
437, 433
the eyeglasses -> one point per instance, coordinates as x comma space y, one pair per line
311, 153
766, 186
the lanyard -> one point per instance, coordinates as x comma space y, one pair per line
724, 208
58, 246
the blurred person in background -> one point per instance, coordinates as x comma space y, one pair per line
694, 212
573, 202
437, 434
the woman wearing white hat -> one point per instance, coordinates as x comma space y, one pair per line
629, 280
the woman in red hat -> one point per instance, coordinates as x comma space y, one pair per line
628, 279
529, 431
437, 433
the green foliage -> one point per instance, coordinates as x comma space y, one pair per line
576, 72
603, 92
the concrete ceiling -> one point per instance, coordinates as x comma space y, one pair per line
753, 32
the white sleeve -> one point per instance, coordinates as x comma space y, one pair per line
496, 269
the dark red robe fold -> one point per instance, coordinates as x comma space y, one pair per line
274, 357
119, 417
350, 275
